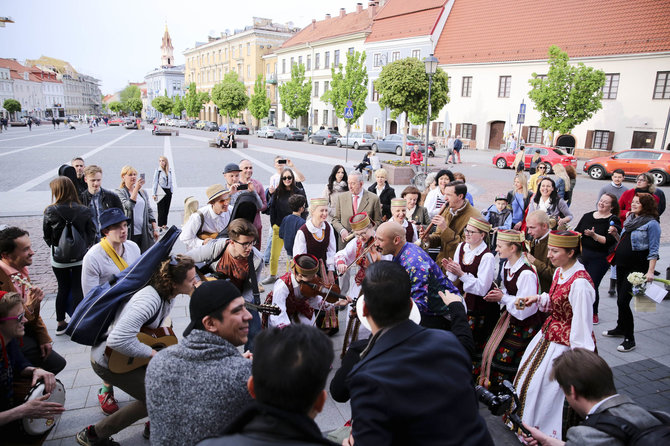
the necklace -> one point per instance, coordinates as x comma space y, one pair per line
316, 237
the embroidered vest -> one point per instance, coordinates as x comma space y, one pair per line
512, 290
473, 302
557, 326
315, 247
409, 232
363, 262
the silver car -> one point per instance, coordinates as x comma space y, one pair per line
267, 132
356, 140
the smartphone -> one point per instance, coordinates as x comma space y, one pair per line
142, 176
243, 187
281, 161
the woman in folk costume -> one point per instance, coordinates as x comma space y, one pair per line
317, 237
399, 215
518, 324
569, 325
472, 271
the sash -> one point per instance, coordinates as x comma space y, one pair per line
118, 260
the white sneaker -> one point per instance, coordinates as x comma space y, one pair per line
269, 279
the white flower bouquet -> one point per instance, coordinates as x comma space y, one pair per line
642, 302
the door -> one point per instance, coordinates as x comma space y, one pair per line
394, 127
631, 162
643, 140
496, 135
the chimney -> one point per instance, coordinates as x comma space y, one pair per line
327, 16
343, 12
359, 7
372, 9
313, 23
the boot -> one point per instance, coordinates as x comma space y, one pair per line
612, 290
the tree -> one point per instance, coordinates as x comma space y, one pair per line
134, 105
131, 91
349, 84
230, 96
178, 106
115, 106
569, 95
12, 106
193, 100
259, 104
294, 95
403, 87
163, 104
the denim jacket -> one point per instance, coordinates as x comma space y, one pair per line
648, 237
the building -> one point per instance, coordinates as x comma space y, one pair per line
53, 93
26, 86
241, 51
166, 80
6, 89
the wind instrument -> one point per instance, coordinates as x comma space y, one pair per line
430, 226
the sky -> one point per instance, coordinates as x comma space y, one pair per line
119, 41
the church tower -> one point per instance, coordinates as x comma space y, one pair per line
167, 57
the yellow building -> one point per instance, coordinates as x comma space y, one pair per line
242, 52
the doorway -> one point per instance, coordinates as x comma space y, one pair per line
497, 135
393, 129
643, 140
566, 141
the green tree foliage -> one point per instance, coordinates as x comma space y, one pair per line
163, 104
260, 103
403, 88
230, 96
193, 100
11, 105
294, 95
349, 83
115, 106
134, 105
131, 91
178, 106
569, 95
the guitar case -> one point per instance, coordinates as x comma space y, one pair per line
245, 207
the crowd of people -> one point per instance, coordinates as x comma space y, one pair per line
439, 297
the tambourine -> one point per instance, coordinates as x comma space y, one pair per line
414, 314
38, 426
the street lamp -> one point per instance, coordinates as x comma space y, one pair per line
431, 67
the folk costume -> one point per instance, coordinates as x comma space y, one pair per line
411, 233
569, 325
317, 241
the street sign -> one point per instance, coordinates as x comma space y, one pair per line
522, 109
521, 117
349, 103
349, 113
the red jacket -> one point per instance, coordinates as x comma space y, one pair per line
415, 158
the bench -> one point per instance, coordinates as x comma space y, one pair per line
241, 143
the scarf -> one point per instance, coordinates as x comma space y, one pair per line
634, 222
118, 260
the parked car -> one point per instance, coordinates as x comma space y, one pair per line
356, 140
267, 132
241, 129
200, 125
550, 155
182, 123
393, 144
633, 162
192, 123
211, 126
114, 121
289, 134
325, 137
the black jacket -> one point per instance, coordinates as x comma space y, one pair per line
260, 425
54, 222
384, 199
108, 199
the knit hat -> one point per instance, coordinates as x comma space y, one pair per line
208, 297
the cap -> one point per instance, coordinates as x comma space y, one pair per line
208, 297
215, 191
112, 216
318, 202
232, 167
482, 225
501, 197
305, 264
511, 236
564, 239
401, 202
359, 221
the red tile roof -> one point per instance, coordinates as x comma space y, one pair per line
400, 19
16, 70
510, 30
351, 23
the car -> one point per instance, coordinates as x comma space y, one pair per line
267, 132
116, 121
633, 162
192, 123
289, 134
182, 123
393, 144
356, 140
200, 125
325, 137
549, 155
241, 129
211, 126
225, 127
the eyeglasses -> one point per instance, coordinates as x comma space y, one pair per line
244, 245
469, 232
286, 178
15, 318
542, 168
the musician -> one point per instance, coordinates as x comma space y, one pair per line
146, 310
451, 222
317, 237
537, 227
399, 215
15, 368
197, 387
210, 219
239, 261
349, 203
16, 255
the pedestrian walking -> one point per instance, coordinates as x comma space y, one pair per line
162, 190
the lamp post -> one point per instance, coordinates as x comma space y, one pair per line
431, 67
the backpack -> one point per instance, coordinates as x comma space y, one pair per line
628, 433
71, 246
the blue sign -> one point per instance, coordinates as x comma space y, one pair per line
349, 104
521, 118
522, 108
349, 113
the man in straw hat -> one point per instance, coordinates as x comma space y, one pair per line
209, 220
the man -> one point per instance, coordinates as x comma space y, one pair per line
450, 150
204, 224
355, 201
237, 260
616, 188
451, 223
394, 386
254, 185
588, 384
288, 379
17, 375
196, 388
97, 198
16, 255
458, 145
537, 226
80, 182
232, 175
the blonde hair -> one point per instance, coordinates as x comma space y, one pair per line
125, 170
312, 208
560, 172
381, 173
9, 301
167, 164
521, 176
92, 170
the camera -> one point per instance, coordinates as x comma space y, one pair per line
281, 161
497, 404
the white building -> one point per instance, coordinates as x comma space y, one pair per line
6, 88
168, 79
53, 92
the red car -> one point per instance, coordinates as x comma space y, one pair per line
633, 162
551, 155
116, 121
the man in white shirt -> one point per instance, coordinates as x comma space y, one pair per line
209, 220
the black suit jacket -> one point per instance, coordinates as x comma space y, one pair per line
415, 387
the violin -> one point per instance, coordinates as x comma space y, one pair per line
319, 286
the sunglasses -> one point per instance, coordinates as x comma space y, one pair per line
542, 168
15, 318
286, 178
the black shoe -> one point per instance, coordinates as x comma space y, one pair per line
615, 333
60, 330
627, 345
612, 290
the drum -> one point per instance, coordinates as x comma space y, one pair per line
38, 426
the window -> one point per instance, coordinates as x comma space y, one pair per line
326, 59
448, 84
315, 117
504, 86
292, 63
375, 93
325, 117
377, 60
283, 66
316, 61
600, 139
351, 51
466, 131
611, 86
299, 60
316, 89
416, 54
535, 135
267, 69
662, 87
248, 49
466, 88
309, 62
336, 58
395, 56
248, 71
240, 51
326, 85
225, 53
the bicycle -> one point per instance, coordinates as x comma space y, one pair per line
419, 179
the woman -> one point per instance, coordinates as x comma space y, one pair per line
416, 214
364, 163
535, 161
569, 326
519, 198
142, 227
644, 183
637, 251
517, 325
385, 192
279, 208
436, 198
541, 171
597, 241
429, 185
572, 174
546, 199
67, 209
317, 236
472, 271
399, 215
163, 179
337, 182
563, 185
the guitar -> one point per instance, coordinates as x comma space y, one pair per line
18, 280
264, 308
156, 338
205, 235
